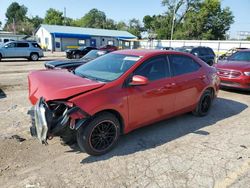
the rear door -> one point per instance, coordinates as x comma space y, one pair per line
22, 49
155, 100
189, 79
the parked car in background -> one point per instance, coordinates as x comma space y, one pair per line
229, 53
4, 40
234, 72
21, 49
109, 48
78, 53
167, 48
204, 53
74, 63
117, 93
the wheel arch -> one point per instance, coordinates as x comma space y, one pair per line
117, 115
34, 53
211, 89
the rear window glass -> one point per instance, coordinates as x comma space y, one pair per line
22, 45
181, 64
240, 56
36, 45
6, 40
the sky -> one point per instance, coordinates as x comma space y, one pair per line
123, 10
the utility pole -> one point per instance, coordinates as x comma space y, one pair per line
14, 26
65, 16
172, 27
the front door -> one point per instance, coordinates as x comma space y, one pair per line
9, 50
155, 100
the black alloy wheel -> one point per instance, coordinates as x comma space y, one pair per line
204, 105
103, 135
100, 135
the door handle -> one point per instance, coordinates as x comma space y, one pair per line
167, 87
170, 85
202, 77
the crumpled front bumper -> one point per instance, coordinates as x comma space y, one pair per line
45, 123
40, 125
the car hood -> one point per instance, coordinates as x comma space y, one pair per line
59, 84
59, 63
233, 65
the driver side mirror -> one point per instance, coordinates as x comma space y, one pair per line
138, 80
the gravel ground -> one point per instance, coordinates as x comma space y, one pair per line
186, 151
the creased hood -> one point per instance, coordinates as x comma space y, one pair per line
59, 84
233, 65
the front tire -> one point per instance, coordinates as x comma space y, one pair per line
204, 105
100, 135
34, 57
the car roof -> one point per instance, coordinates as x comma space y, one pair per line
146, 52
244, 50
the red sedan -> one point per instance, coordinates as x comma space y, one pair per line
234, 72
117, 93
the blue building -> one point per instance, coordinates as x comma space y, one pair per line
60, 38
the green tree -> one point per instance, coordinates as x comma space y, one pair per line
110, 24
36, 21
54, 17
122, 26
93, 19
68, 21
148, 21
25, 27
208, 21
193, 19
135, 27
16, 13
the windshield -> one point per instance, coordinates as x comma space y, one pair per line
107, 68
240, 56
93, 54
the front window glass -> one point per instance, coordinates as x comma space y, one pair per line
240, 56
11, 45
107, 68
154, 69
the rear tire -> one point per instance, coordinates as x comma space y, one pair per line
100, 135
0, 57
34, 57
204, 105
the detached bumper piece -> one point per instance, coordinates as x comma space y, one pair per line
49, 120
40, 125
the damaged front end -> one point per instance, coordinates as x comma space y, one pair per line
52, 118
